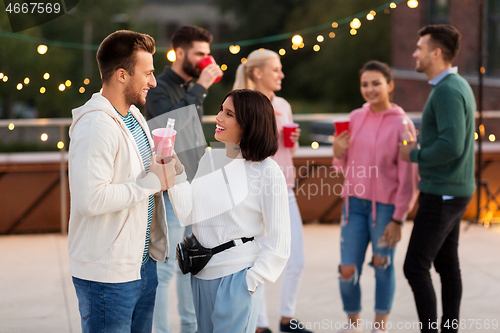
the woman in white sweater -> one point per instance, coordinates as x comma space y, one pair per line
238, 193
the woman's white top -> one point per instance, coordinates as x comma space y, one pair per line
233, 198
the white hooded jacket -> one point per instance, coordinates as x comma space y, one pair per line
109, 197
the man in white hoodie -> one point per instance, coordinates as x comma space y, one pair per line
117, 227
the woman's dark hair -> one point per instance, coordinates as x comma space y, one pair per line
443, 36
255, 115
378, 66
118, 51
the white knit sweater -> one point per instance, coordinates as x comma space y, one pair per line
233, 198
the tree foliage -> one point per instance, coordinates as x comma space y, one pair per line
19, 58
330, 75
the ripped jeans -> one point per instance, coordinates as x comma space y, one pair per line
356, 234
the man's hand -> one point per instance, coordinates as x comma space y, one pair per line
405, 150
209, 74
340, 144
165, 172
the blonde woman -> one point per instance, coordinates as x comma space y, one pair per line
263, 72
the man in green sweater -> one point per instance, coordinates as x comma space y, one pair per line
446, 166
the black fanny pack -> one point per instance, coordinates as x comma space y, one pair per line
192, 256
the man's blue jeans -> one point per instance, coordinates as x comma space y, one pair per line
176, 233
118, 307
356, 234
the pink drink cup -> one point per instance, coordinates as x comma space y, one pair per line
163, 152
288, 130
341, 126
207, 61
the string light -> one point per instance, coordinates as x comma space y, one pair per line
223, 67
86, 81
316, 48
60, 145
67, 83
331, 34
314, 145
234, 49
19, 86
393, 5
81, 90
301, 45
476, 136
243, 60
412, 3
26, 80
42, 49
492, 137
295, 47
42, 90
355, 23
5, 78
353, 31
370, 17
1, 75
44, 137
282, 52
46, 76
335, 25
373, 13
62, 87
11, 126
297, 40
171, 56
387, 11
320, 38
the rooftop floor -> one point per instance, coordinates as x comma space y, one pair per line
37, 295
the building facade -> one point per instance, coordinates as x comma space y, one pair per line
412, 88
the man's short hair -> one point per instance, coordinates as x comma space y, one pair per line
187, 34
118, 51
443, 36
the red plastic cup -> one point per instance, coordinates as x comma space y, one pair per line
163, 152
341, 126
288, 130
207, 61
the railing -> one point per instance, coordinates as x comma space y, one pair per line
63, 123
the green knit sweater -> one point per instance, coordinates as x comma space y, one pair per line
446, 157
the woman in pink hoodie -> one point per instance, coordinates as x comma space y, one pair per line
379, 191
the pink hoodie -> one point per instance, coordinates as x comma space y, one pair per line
371, 164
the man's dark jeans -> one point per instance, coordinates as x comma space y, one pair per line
434, 239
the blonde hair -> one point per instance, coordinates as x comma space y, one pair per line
244, 74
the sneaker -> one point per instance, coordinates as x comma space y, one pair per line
287, 328
351, 330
